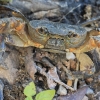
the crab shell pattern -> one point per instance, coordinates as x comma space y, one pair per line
50, 36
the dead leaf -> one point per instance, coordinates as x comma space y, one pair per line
85, 62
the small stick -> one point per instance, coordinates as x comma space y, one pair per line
57, 81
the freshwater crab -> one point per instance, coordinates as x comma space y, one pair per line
47, 35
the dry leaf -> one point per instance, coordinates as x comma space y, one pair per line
86, 64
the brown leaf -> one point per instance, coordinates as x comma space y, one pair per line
85, 62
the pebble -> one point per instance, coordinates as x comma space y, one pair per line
62, 90
70, 55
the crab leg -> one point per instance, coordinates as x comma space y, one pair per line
17, 32
92, 41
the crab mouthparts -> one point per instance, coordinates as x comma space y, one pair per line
56, 44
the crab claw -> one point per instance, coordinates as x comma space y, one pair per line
91, 44
92, 41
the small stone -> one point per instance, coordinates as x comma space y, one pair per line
70, 55
62, 90
89, 91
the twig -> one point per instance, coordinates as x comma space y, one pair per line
75, 84
57, 81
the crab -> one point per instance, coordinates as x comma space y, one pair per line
49, 36
54, 37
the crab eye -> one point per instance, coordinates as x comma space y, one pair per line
72, 34
43, 31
